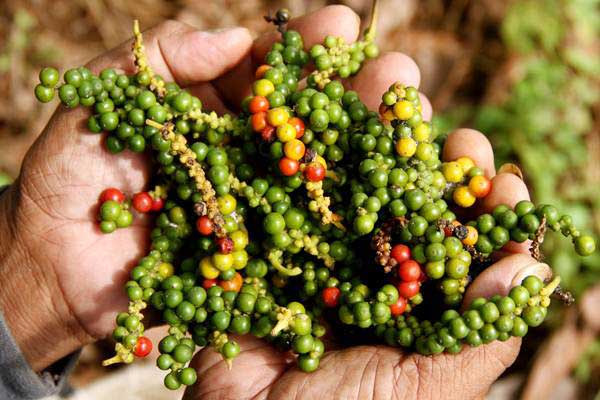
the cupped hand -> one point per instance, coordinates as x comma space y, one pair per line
64, 278
381, 372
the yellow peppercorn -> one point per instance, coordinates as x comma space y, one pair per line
422, 132
227, 204
463, 197
294, 149
466, 163
207, 269
453, 172
321, 161
404, 110
240, 259
263, 87
406, 147
286, 132
165, 270
277, 116
222, 262
240, 239
471, 237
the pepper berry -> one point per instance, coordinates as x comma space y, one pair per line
315, 172
225, 245
157, 203
408, 289
205, 226
331, 296
143, 347
142, 202
208, 283
398, 307
112, 194
288, 167
409, 271
400, 253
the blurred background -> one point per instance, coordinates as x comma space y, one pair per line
525, 72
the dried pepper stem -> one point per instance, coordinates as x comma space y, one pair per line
321, 204
188, 158
141, 61
381, 243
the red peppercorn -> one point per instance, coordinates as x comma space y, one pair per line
408, 289
315, 172
113, 194
398, 307
258, 104
331, 296
288, 167
298, 124
232, 285
208, 283
142, 202
259, 121
143, 347
157, 203
409, 271
204, 225
400, 253
225, 245
268, 133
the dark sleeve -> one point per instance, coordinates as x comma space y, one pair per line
17, 379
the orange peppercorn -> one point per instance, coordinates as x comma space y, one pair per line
480, 186
258, 104
259, 121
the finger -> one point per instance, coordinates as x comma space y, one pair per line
236, 84
501, 276
473, 144
426, 108
211, 100
336, 20
482, 365
507, 189
375, 372
377, 75
255, 368
181, 53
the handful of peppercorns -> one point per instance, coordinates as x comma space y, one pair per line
306, 207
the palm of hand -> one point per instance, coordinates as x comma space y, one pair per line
61, 180
67, 169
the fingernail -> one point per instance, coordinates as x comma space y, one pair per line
539, 269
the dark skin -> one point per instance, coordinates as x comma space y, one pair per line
52, 252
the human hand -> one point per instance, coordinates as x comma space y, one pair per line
78, 272
261, 371
62, 278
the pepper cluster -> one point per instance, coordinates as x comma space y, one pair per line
306, 207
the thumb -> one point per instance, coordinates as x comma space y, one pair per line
481, 366
501, 276
254, 370
178, 52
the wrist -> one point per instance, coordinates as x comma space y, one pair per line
31, 300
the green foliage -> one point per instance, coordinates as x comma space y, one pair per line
4, 179
543, 123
